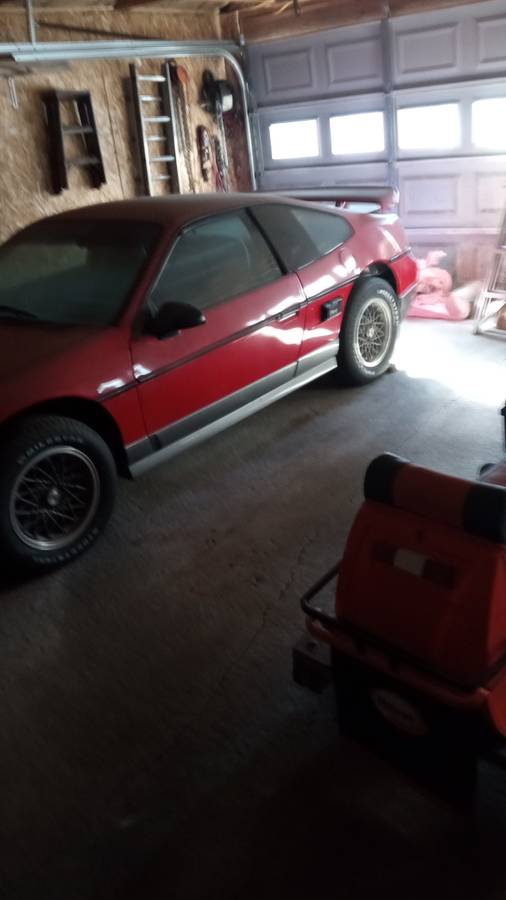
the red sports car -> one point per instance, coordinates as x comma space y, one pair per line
130, 330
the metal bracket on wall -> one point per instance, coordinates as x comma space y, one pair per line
13, 94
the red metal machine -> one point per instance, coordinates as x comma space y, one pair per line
418, 634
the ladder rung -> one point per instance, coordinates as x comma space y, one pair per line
156, 118
156, 137
84, 161
72, 95
158, 78
161, 177
157, 159
495, 295
77, 129
149, 98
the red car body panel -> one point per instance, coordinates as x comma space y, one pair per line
243, 340
147, 385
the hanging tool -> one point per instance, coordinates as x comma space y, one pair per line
222, 182
204, 145
181, 81
218, 98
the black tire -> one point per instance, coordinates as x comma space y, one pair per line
57, 490
374, 297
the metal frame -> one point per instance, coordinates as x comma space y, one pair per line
22, 54
491, 293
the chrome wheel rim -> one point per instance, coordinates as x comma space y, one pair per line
373, 332
55, 498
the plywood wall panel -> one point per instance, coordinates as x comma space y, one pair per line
25, 190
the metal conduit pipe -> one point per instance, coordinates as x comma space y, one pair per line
47, 52
30, 21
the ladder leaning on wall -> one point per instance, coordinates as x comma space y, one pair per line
493, 293
155, 113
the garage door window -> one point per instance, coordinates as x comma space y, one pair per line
357, 134
294, 140
435, 127
301, 235
489, 123
215, 260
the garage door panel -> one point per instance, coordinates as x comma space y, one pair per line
325, 176
351, 64
432, 193
465, 192
432, 196
288, 72
449, 43
490, 194
318, 65
491, 42
433, 49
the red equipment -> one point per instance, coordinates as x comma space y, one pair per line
418, 638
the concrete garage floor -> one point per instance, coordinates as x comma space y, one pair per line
152, 744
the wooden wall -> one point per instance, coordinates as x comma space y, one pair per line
25, 189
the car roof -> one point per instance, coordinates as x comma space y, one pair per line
174, 211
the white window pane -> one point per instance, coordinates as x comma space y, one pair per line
358, 133
294, 140
489, 123
429, 127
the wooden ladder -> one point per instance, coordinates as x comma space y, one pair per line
84, 126
158, 148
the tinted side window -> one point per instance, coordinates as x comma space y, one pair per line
75, 272
301, 235
215, 260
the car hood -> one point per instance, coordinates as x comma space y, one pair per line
24, 346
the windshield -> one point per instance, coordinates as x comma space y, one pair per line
73, 272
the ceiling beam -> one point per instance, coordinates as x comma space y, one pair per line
272, 25
264, 20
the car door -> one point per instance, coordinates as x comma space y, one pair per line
252, 334
308, 241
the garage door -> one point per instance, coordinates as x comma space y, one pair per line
417, 101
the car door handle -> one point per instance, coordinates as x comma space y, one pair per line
289, 314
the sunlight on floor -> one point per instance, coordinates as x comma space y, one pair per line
434, 351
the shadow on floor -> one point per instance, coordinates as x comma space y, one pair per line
342, 825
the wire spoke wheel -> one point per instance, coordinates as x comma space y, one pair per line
373, 332
55, 498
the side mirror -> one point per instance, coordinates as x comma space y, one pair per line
173, 317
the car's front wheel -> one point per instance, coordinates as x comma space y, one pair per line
369, 332
57, 489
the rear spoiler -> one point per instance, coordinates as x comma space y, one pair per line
385, 196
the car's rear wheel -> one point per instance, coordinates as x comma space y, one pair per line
369, 332
57, 489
